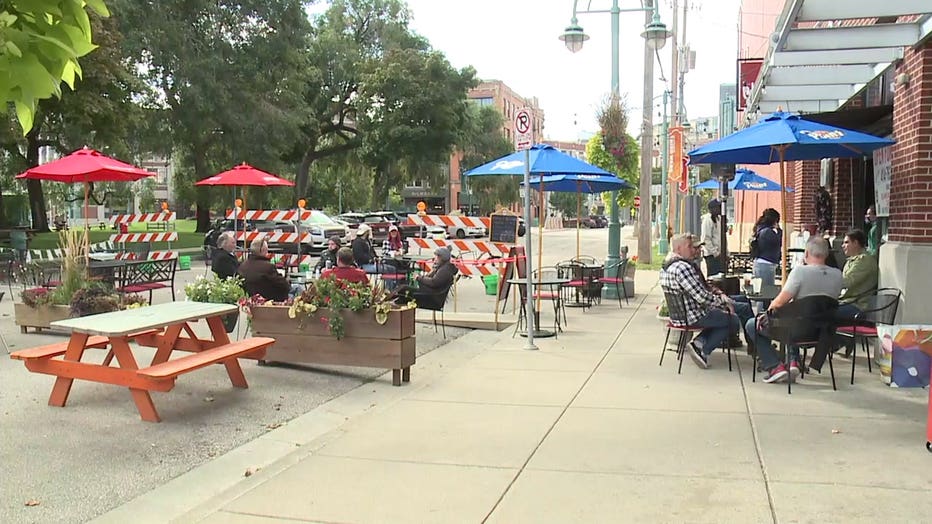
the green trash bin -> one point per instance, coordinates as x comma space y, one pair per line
184, 262
491, 284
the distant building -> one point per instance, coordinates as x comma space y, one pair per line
493, 93
727, 109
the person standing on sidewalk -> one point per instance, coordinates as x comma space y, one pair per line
706, 307
711, 230
766, 246
813, 278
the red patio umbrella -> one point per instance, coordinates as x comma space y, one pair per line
243, 175
86, 166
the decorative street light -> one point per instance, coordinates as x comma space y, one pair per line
655, 36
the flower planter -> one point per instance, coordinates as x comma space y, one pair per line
39, 317
629, 287
366, 343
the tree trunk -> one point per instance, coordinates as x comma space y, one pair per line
379, 188
203, 196
302, 182
37, 207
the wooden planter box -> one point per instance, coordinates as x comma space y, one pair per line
40, 317
366, 343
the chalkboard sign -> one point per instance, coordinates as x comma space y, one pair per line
503, 228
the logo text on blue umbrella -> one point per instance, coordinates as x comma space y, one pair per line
507, 164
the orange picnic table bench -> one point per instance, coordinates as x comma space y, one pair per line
166, 327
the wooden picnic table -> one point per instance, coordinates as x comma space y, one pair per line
159, 326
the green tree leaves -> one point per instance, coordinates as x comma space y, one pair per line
40, 43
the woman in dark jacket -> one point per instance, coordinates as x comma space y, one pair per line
769, 245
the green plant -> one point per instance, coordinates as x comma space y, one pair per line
36, 297
663, 310
134, 301
335, 295
215, 290
94, 299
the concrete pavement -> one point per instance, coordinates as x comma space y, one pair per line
587, 429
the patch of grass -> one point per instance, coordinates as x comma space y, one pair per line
656, 260
185, 228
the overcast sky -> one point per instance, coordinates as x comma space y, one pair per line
516, 41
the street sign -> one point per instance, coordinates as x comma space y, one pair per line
523, 129
637, 201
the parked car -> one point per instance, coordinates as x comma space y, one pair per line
322, 227
378, 224
464, 232
401, 222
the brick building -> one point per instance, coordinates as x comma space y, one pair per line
865, 66
497, 94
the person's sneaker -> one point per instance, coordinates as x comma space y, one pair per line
776, 374
698, 357
794, 371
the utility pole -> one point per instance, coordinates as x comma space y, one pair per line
664, 173
674, 106
647, 142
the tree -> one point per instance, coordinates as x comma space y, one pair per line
99, 112
380, 90
627, 170
42, 42
480, 141
227, 77
565, 202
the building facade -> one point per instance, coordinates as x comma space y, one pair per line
867, 67
497, 94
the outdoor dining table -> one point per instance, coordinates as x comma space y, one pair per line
588, 274
159, 326
554, 284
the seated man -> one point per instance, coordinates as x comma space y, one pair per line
813, 278
439, 278
328, 259
705, 307
859, 275
345, 269
261, 277
224, 262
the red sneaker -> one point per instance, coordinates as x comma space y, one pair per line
776, 374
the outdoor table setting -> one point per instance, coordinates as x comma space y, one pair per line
586, 274
159, 326
554, 284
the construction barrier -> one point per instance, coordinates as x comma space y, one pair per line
143, 217
249, 236
449, 221
258, 214
144, 237
154, 255
473, 246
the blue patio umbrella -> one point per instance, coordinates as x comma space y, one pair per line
785, 136
543, 159
540, 160
744, 180
580, 184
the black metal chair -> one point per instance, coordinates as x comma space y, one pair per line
434, 301
618, 281
881, 309
579, 284
549, 294
808, 322
677, 308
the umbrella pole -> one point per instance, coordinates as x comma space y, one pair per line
87, 247
578, 216
540, 239
740, 225
782, 151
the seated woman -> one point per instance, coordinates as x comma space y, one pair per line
345, 269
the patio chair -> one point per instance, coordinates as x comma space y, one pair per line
547, 293
677, 308
580, 282
434, 301
618, 281
808, 322
881, 309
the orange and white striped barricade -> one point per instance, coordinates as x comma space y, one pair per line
163, 216
449, 221
271, 236
153, 255
259, 214
495, 249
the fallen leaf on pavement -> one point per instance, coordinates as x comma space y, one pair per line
836, 431
273, 425
250, 472
208, 399
32, 502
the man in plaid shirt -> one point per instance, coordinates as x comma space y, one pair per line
705, 307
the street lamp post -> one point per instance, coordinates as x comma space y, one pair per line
655, 36
665, 162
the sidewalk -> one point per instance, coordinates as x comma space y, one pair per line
587, 429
